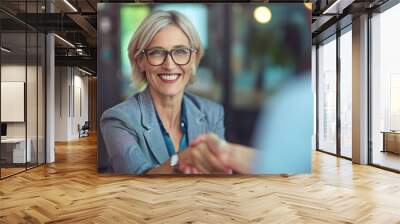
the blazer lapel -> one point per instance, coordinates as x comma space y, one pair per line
196, 119
152, 133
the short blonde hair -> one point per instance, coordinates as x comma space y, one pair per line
145, 33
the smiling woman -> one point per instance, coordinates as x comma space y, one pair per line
146, 130
167, 75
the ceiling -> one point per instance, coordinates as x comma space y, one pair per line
76, 24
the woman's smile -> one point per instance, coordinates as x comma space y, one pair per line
169, 78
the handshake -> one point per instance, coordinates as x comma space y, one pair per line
208, 154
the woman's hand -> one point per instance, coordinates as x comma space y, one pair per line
210, 154
199, 159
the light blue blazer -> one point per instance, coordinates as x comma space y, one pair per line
133, 137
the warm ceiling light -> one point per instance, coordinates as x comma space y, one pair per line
308, 5
262, 14
5, 50
70, 5
64, 40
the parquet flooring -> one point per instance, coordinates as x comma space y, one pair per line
10, 171
71, 191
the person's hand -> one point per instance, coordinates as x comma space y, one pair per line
198, 159
234, 157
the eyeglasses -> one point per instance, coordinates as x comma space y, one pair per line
157, 56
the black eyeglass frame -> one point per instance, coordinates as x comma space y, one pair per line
191, 50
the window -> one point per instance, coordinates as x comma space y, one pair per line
22, 68
385, 89
346, 94
327, 96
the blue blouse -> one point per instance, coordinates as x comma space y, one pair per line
167, 138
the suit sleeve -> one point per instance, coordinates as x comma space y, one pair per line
219, 127
122, 146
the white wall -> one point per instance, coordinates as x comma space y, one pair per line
13, 73
61, 103
71, 94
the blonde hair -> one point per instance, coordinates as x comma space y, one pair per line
145, 33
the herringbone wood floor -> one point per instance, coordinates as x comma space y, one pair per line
71, 191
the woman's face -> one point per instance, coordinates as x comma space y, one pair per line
168, 78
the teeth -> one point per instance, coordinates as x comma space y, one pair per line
169, 76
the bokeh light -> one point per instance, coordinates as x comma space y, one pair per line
262, 14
